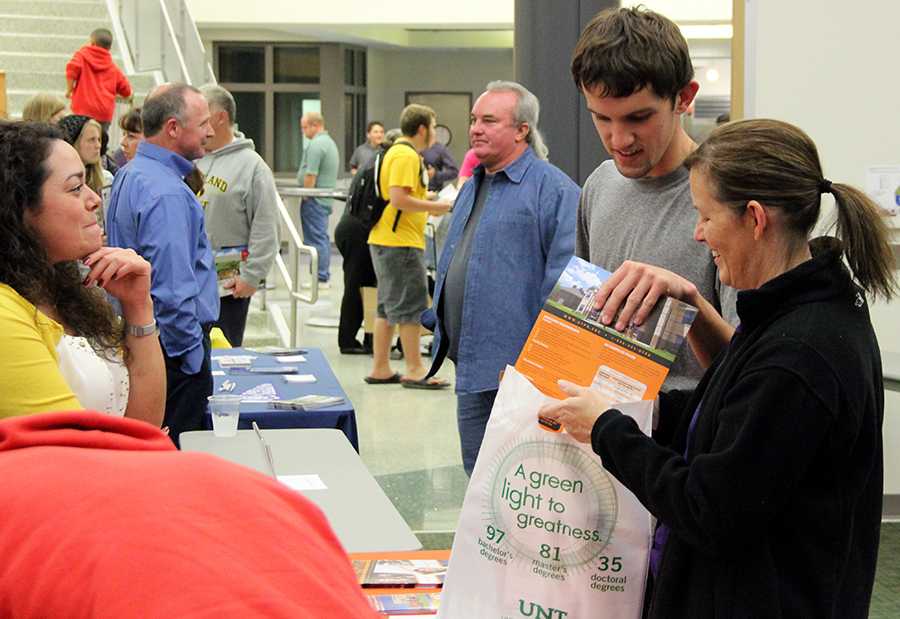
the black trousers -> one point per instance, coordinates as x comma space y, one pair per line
233, 318
186, 393
351, 238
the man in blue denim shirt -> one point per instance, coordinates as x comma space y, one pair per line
512, 234
152, 211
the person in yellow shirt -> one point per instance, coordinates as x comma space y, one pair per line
397, 245
61, 345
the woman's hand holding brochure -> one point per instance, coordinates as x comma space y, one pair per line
578, 412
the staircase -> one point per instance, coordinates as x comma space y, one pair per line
37, 38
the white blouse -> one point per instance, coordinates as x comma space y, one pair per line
98, 384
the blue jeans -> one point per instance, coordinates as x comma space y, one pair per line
472, 413
314, 222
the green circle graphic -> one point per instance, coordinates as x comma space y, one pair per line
598, 495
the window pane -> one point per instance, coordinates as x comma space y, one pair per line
348, 67
296, 65
350, 142
361, 68
251, 114
242, 64
289, 108
361, 118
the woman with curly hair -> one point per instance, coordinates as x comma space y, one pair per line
62, 347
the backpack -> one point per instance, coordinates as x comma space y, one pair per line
364, 199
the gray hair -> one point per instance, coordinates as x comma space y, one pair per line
315, 118
528, 110
221, 98
391, 135
165, 102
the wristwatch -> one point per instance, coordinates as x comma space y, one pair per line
141, 330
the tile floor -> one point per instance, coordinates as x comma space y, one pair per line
409, 441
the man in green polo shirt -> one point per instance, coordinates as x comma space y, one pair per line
318, 169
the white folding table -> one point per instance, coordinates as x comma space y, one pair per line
360, 513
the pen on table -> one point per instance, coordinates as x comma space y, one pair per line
267, 451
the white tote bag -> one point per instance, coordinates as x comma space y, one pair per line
545, 531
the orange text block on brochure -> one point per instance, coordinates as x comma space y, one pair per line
568, 342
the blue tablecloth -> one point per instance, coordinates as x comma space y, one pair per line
340, 416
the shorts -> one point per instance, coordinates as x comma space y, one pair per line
402, 286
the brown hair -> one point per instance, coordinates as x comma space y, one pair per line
131, 121
42, 107
102, 37
413, 116
93, 172
623, 50
778, 165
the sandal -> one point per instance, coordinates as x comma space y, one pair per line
424, 383
390, 380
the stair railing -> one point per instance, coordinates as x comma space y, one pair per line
290, 272
162, 36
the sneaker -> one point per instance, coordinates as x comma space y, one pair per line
322, 285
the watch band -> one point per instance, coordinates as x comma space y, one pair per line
141, 330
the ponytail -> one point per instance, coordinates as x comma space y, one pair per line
865, 239
778, 165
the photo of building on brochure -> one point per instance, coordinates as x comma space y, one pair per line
569, 342
662, 334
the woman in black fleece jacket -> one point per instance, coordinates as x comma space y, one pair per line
767, 479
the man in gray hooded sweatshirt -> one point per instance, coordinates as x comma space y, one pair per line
239, 202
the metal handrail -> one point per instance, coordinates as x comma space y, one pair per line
312, 192
167, 23
174, 39
121, 40
290, 275
210, 76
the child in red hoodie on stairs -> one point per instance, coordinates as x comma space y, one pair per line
93, 80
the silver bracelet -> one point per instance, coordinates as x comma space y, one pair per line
141, 330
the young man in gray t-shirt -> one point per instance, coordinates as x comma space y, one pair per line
637, 206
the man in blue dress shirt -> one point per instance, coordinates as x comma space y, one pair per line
511, 236
152, 211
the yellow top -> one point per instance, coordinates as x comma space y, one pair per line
401, 168
30, 380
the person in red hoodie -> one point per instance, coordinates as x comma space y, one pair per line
101, 516
93, 80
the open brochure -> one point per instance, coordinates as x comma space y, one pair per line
406, 604
228, 266
569, 342
400, 573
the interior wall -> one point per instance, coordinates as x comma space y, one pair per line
821, 66
391, 73
463, 12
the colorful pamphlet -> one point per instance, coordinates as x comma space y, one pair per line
569, 342
406, 604
400, 573
228, 266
